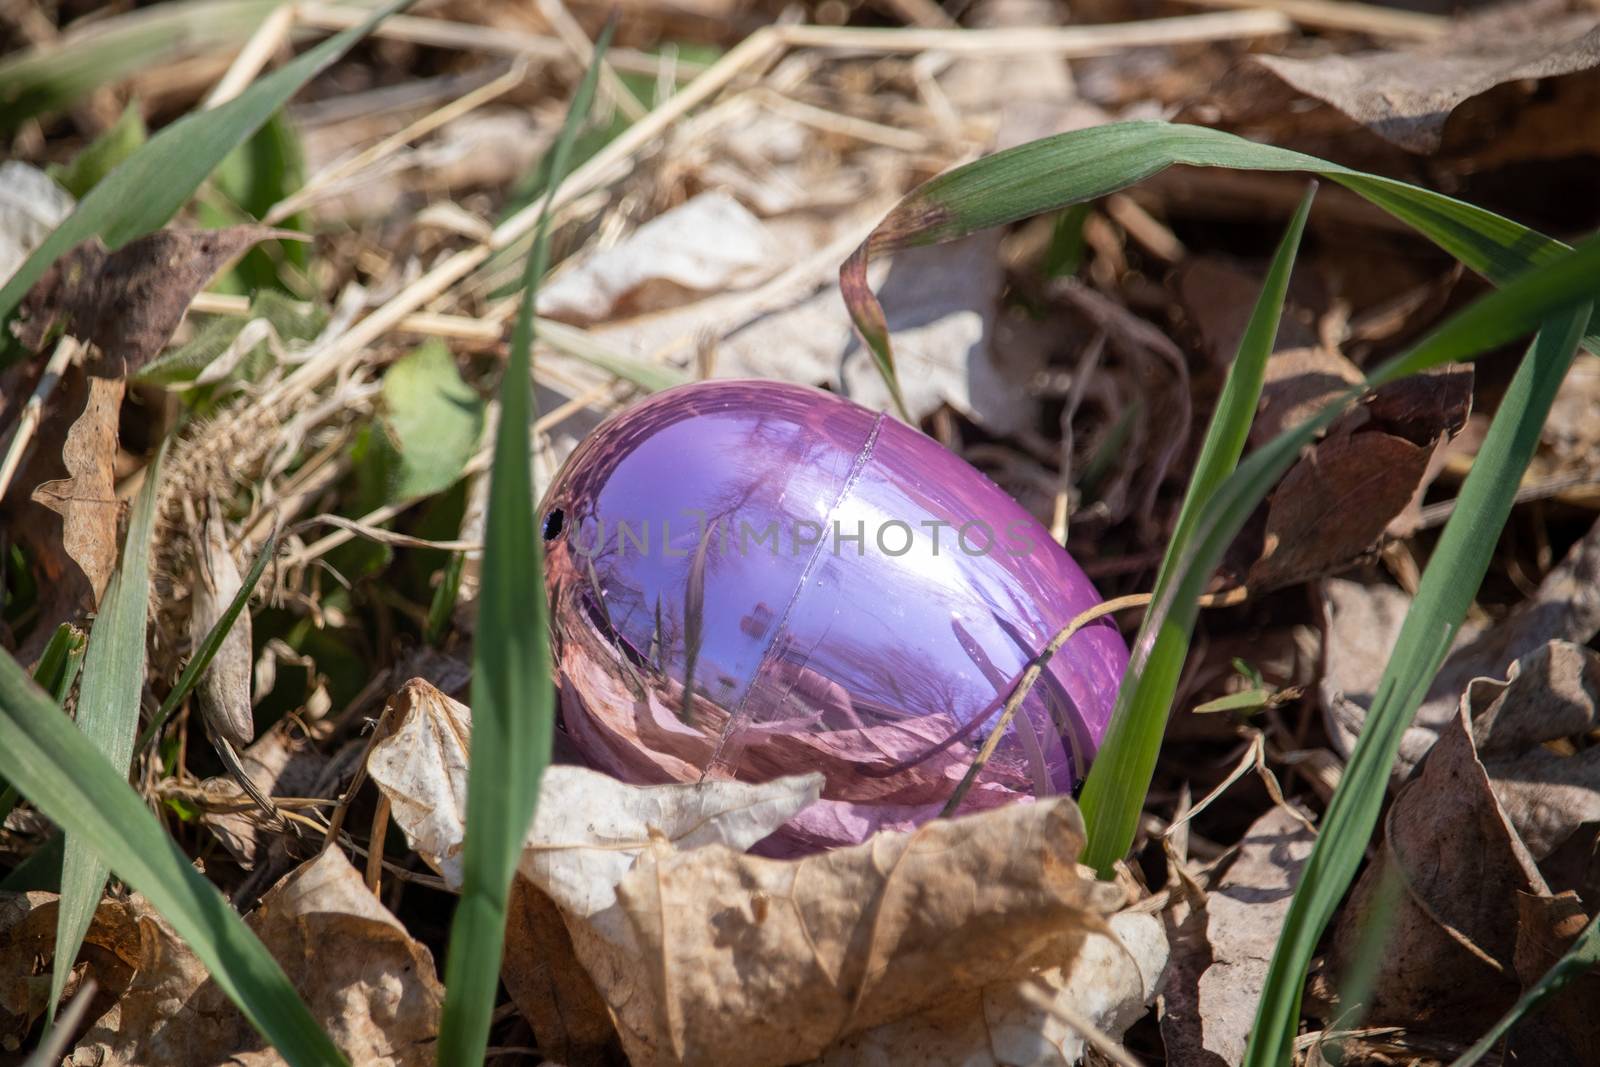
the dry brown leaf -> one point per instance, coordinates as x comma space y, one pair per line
1110, 981
1572, 433
1361, 623
1406, 96
589, 827
709, 244
844, 941
1298, 383
1447, 962
1464, 839
370, 986
110, 954
130, 301
550, 987
1218, 294
1206, 1019
282, 762
86, 499
1335, 504
669, 916
1550, 694
1566, 1028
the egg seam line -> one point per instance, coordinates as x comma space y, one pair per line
857, 467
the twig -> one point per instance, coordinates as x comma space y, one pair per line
320, 184
555, 12
380, 830
1254, 758
1066, 41
1348, 15
54, 1045
236, 771
270, 36
470, 37
1036, 666
1098, 1039
848, 125
28, 421
1087, 365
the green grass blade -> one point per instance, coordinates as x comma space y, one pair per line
150, 186
58, 666
55, 672
63, 775
207, 650
1494, 319
102, 155
512, 699
108, 715
651, 377
1113, 796
1582, 957
54, 76
1448, 585
1071, 168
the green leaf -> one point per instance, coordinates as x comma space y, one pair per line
53, 77
1580, 959
55, 673
512, 697
1070, 168
268, 167
1244, 700
63, 775
1447, 588
431, 423
150, 186
103, 155
1113, 795
108, 715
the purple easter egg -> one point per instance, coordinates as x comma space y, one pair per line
749, 579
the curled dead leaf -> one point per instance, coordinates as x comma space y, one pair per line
129, 302
1406, 96
370, 985
86, 499
1335, 504
979, 937
846, 940
1464, 838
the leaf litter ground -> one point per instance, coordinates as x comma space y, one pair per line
1056, 354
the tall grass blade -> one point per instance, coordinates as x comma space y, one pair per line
1448, 585
1582, 957
109, 49
55, 672
63, 775
108, 715
1113, 796
512, 699
1070, 168
152, 184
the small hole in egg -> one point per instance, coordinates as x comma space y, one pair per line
554, 522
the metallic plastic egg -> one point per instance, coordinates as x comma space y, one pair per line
749, 579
